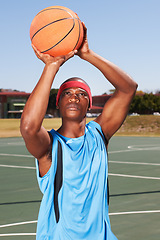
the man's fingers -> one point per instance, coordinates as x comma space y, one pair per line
37, 52
70, 54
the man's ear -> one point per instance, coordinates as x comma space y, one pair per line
89, 106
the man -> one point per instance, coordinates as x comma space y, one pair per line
71, 162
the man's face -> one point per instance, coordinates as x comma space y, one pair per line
73, 103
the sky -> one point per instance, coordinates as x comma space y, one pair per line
123, 31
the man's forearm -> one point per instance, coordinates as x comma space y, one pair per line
37, 103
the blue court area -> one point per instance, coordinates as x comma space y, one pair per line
134, 179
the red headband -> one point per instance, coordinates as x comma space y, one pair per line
71, 84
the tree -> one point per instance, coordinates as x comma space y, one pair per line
52, 103
145, 104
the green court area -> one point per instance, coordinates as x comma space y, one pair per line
134, 177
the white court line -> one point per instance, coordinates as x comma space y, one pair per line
34, 234
3, 144
121, 151
133, 150
136, 163
145, 147
17, 234
137, 148
133, 176
134, 212
15, 155
16, 143
17, 224
14, 166
110, 214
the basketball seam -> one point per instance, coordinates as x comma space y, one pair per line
62, 38
78, 37
46, 9
50, 24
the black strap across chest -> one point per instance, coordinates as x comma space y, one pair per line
58, 180
106, 144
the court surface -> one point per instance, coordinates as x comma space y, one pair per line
134, 177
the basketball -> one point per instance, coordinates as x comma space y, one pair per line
56, 31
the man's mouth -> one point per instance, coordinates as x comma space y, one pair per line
72, 107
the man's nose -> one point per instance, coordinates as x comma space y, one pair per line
74, 98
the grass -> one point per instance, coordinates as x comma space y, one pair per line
11, 127
144, 125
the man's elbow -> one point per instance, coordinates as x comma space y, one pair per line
133, 88
27, 128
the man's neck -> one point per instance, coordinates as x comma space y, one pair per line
72, 129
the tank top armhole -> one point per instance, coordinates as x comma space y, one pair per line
99, 129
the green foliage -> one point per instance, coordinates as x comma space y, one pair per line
145, 104
52, 99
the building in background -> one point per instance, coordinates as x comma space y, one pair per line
98, 103
12, 103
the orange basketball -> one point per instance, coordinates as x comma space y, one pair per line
56, 30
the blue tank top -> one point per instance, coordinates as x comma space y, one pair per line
82, 195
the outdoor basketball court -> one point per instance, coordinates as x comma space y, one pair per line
134, 175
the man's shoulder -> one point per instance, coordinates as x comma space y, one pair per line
93, 124
96, 129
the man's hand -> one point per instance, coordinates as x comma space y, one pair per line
84, 49
47, 59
